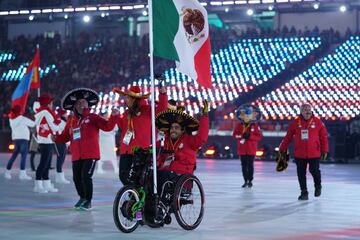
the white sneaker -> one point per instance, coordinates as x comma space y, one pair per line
24, 176
48, 186
100, 171
7, 174
60, 178
39, 188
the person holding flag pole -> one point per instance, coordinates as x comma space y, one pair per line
179, 31
30, 80
20, 124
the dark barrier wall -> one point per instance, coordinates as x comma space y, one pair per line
268, 144
5, 140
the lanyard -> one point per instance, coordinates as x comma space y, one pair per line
130, 123
173, 146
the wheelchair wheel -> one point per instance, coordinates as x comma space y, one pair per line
125, 199
188, 202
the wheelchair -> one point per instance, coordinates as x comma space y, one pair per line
135, 204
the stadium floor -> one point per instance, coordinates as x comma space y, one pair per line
270, 210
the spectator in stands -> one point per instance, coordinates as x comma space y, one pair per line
311, 144
20, 134
82, 130
247, 134
135, 125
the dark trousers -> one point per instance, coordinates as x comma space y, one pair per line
21, 146
247, 165
314, 168
42, 171
124, 167
61, 157
164, 176
32, 162
83, 171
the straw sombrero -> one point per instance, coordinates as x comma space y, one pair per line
72, 96
133, 91
165, 119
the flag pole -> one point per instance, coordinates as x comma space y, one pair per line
38, 90
153, 137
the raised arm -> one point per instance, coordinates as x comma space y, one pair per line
163, 101
202, 135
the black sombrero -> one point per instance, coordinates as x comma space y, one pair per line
164, 120
72, 96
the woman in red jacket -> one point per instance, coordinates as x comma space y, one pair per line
82, 130
310, 140
135, 125
247, 134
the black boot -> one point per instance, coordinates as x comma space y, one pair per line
304, 195
245, 184
317, 191
249, 184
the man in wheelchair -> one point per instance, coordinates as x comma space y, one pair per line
179, 191
177, 154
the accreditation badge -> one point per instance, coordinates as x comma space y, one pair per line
76, 134
304, 134
127, 138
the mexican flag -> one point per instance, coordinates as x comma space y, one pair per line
181, 33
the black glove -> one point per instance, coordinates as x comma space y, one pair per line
323, 156
161, 80
246, 135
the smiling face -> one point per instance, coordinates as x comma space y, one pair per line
306, 111
81, 105
129, 101
176, 131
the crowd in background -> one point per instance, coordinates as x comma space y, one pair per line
101, 62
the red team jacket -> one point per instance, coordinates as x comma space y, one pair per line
87, 147
316, 143
185, 149
141, 125
247, 146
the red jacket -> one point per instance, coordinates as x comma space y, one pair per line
185, 149
247, 146
317, 138
88, 145
141, 126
